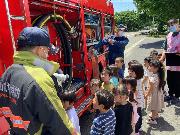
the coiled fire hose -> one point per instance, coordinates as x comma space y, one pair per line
61, 29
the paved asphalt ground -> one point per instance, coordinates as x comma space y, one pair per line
169, 122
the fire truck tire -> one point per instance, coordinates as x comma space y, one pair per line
62, 29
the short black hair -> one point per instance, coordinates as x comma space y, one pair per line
173, 21
114, 70
148, 59
131, 81
105, 98
138, 69
120, 90
153, 52
68, 96
132, 62
107, 70
120, 59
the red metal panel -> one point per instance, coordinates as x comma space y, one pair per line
16, 8
6, 50
19, 8
77, 59
102, 26
88, 65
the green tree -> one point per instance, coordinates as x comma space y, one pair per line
162, 10
133, 20
128, 18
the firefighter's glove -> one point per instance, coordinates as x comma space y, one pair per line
61, 77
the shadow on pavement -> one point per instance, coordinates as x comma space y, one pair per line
177, 111
148, 131
161, 126
155, 45
178, 104
164, 125
170, 104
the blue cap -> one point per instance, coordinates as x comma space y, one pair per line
34, 36
121, 27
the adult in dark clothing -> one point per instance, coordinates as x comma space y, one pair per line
29, 95
115, 43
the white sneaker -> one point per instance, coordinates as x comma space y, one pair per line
151, 121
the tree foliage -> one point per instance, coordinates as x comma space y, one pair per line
133, 20
163, 10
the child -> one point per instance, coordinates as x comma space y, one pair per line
136, 71
154, 55
104, 123
68, 99
114, 78
123, 112
146, 71
132, 62
131, 84
146, 75
94, 86
119, 62
106, 75
154, 91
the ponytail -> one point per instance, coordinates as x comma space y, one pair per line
161, 74
131, 97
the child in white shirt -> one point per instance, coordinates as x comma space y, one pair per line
136, 71
68, 99
147, 60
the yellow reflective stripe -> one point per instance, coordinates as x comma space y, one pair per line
47, 86
40, 130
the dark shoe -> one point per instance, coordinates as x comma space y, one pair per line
168, 98
175, 100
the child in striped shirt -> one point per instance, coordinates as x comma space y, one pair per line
104, 123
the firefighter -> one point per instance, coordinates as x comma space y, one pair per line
116, 44
28, 98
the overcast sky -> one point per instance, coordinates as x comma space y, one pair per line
123, 5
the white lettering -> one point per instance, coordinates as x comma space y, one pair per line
11, 90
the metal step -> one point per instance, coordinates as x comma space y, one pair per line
84, 104
76, 84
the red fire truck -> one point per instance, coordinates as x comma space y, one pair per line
74, 26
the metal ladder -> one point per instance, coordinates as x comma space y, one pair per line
13, 17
